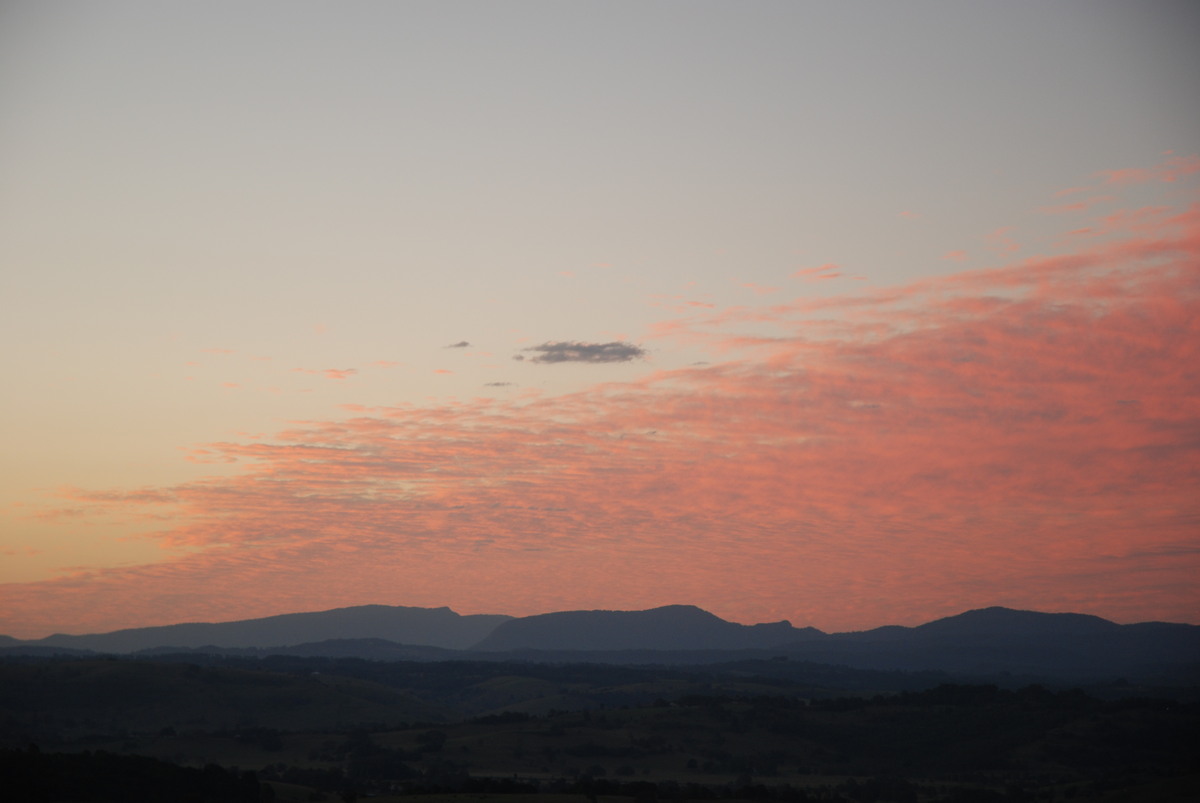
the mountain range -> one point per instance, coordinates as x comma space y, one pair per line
979, 642
435, 627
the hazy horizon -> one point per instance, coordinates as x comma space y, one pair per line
844, 314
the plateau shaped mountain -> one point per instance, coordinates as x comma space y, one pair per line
672, 627
437, 627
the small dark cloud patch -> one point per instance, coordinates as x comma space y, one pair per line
462, 344
573, 351
497, 384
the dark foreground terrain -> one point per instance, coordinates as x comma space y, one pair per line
208, 728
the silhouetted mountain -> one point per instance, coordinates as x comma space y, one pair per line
36, 650
673, 627
994, 640
997, 621
438, 627
987, 642
373, 649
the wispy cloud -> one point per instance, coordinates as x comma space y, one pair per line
462, 344
1169, 171
819, 273
575, 351
759, 289
1076, 206
1001, 240
329, 373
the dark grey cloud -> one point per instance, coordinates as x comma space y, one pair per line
573, 351
497, 384
462, 344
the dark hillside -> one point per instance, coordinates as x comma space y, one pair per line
672, 627
439, 627
60, 700
999, 640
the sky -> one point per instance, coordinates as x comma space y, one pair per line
849, 314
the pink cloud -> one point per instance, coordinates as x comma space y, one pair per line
1021, 435
328, 373
1171, 170
679, 304
759, 289
1077, 206
829, 270
1071, 191
1001, 240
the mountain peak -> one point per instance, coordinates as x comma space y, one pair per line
998, 620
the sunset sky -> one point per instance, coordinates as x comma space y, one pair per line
849, 314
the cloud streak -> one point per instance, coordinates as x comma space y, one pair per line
329, 373
575, 351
